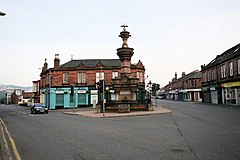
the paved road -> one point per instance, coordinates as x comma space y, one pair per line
192, 131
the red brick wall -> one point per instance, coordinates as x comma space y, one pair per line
57, 76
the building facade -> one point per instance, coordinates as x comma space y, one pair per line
56, 82
221, 78
185, 88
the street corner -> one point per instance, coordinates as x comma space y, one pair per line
95, 114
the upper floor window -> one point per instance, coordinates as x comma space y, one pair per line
213, 74
65, 77
231, 68
192, 83
238, 66
48, 78
204, 76
114, 74
82, 77
223, 71
140, 76
209, 75
99, 76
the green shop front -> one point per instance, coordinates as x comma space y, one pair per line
59, 98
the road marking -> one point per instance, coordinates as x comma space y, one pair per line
14, 148
5, 143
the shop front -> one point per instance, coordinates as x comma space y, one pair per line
59, 98
206, 97
231, 93
214, 94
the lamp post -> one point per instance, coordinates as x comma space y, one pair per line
150, 90
103, 88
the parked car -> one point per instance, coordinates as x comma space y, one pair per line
39, 108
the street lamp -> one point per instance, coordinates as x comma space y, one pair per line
150, 90
103, 88
2, 13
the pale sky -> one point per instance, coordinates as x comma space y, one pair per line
168, 36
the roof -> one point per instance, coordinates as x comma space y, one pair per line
195, 75
92, 63
225, 56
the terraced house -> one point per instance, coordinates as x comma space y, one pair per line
185, 88
221, 78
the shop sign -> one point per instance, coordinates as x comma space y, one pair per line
94, 91
212, 88
111, 91
205, 89
59, 92
125, 92
231, 84
81, 91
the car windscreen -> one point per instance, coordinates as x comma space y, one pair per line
40, 105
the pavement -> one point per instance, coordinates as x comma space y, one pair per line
108, 114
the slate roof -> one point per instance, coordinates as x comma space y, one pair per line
92, 63
198, 74
192, 75
225, 56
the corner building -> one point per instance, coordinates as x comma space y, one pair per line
83, 74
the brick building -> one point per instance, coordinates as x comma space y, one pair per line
221, 78
185, 88
56, 82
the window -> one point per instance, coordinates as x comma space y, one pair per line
99, 76
140, 76
231, 68
204, 76
213, 74
114, 74
223, 71
209, 75
192, 83
65, 77
82, 77
238, 66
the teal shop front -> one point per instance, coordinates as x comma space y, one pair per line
59, 98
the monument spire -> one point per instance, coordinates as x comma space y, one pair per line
124, 35
125, 53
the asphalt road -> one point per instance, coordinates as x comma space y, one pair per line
191, 132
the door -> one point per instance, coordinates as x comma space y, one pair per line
214, 97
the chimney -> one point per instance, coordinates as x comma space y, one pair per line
183, 74
45, 66
175, 75
56, 61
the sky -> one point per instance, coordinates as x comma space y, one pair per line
167, 36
